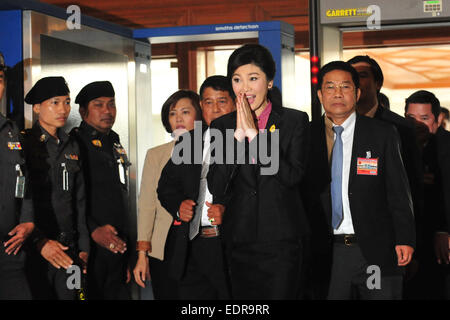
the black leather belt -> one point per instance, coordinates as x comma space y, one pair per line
209, 232
347, 239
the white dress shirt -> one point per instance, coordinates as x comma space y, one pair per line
346, 226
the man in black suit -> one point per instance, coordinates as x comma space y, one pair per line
198, 261
424, 108
370, 81
359, 189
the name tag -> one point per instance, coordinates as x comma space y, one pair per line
367, 166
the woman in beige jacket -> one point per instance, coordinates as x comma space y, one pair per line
155, 224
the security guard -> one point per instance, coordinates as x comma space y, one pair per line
16, 209
53, 159
106, 175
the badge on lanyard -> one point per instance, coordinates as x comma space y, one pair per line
367, 166
20, 183
65, 177
14, 146
97, 143
121, 170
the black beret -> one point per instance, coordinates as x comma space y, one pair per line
47, 88
93, 91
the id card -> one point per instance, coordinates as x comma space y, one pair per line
65, 177
20, 183
121, 171
20, 187
367, 166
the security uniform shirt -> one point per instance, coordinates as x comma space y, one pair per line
15, 207
105, 170
58, 187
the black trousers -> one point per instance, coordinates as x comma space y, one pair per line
107, 273
350, 276
164, 287
47, 282
13, 281
205, 277
431, 282
266, 270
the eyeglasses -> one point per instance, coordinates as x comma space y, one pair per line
331, 88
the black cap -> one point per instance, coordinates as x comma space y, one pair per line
47, 88
93, 91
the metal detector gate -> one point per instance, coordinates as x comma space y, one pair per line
277, 36
37, 41
330, 18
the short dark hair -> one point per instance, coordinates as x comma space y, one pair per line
173, 99
445, 112
384, 100
219, 83
338, 65
374, 66
425, 97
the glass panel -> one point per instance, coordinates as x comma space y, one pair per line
212, 62
74, 62
303, 82
164, 83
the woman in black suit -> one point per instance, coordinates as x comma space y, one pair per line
264, 220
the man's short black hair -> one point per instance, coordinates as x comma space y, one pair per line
425, 97
374, 66
338, 65
383, 100
445, 112
219, 83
